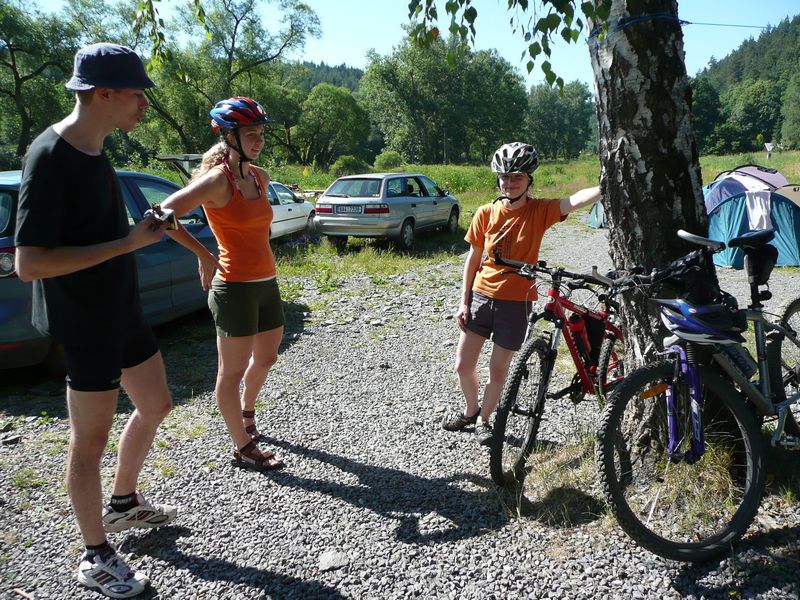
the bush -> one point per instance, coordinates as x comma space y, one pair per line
387, 160
348, 165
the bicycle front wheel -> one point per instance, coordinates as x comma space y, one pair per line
519, 414
790, 354
688, 510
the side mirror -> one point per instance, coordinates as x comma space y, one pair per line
443, 192
298, 199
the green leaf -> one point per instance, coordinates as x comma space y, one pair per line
534, 49
471, 14
575, 35
553, 21
530, 66
603, 10
451, 59
550, 77
566, 33
547, 67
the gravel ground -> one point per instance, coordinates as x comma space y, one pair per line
376, 500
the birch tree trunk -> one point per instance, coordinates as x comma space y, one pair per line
650, 170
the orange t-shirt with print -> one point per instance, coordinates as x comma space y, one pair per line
518, 235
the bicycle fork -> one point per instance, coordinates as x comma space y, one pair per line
685, 372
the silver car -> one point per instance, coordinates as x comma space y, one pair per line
393, 205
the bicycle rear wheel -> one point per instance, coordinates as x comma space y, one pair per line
519, 413
680, 510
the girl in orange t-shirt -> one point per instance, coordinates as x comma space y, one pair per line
494, 305
243, 296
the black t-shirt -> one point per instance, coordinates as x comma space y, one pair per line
69, 198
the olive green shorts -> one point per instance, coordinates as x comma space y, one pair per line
243, 308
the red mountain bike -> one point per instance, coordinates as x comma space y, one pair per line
595, 345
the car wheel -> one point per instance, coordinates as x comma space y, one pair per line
405, 241
338, 241
452, 221
310, 225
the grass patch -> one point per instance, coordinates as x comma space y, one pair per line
26, 478
557, 476
164, 466
54, 443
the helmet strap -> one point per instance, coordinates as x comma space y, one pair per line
243, 158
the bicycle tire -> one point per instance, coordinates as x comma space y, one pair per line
610, 366
652, 497
518, 415
790, 358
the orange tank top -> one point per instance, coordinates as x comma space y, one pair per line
242, 231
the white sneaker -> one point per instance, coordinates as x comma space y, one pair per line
145, 515
111, 576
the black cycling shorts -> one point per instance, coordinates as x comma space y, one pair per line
98, 368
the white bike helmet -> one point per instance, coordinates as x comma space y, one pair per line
515, 157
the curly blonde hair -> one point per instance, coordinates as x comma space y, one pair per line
212, 157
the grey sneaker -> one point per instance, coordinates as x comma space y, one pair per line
144, 515
483, 433
111, 576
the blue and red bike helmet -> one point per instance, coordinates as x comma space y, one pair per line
709, 324
231, 114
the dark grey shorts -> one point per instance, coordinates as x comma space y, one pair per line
243, 308
502, 321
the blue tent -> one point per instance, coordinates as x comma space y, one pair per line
597, 216
746, 211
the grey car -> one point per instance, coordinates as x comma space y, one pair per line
393, 205
168, 279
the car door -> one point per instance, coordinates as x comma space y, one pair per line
175, 289
424, 203
293, 212
280, 214
152, 263
440, 203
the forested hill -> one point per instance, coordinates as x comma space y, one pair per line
340, 75
775, 56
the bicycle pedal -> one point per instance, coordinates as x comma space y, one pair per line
790, 442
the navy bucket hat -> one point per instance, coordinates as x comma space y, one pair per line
109, 66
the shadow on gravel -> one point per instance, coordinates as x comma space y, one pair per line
161, 544
561, 507
429, 511
764, 564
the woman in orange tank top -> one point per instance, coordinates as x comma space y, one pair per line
243, 292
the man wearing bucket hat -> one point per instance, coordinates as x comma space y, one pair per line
74, 242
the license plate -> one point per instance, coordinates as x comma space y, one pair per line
348, 209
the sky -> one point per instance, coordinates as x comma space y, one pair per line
350, 28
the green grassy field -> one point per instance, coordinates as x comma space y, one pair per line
473, 185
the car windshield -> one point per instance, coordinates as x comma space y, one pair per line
369, 188
6, 203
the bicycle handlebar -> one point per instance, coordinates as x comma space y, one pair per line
679, 266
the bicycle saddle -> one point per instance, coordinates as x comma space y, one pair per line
752, 240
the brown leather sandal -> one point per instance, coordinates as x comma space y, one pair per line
251, 429
253, 458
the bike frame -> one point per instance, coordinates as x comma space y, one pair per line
555, 311
759, 392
